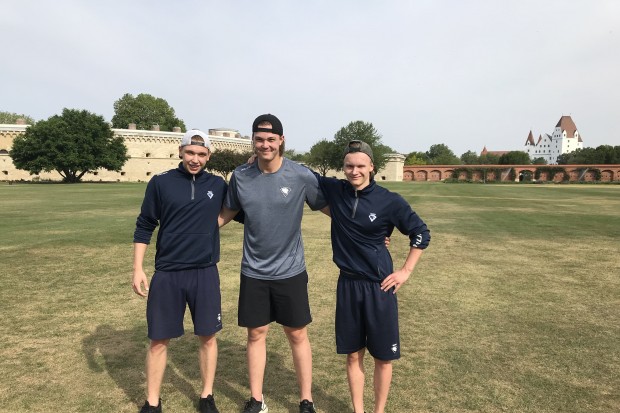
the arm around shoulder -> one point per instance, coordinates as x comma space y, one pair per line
226, 214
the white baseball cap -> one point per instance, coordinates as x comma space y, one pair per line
187, 138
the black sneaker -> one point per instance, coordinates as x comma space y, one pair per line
306, 406
207, 405
147, 408
255, 406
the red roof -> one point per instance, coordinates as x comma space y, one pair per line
530, 139
566, 124
487, 152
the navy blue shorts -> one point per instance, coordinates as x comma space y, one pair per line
366, 317
170, 292
284, 301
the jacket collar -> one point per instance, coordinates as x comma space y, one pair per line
182, 170
349, 188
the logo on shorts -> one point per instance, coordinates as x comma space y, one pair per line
285, 190
210, 194
372, 216
394, 348
219, 317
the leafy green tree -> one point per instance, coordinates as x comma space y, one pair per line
470, 158
416, 158
366, 132
71, 144
489, 159
615, 156
603, 154
440, 154
145, 111
515, 158
294, 156
324, 155
564, 159
224, 161
11, 118
539, 161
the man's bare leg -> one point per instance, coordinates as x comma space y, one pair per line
156, 358
382, 380
257, 359
302, 359
207, 356
355, 375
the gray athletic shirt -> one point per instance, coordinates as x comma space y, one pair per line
273, 204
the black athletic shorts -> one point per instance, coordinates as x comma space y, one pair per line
170, 292
284, 301
366, 317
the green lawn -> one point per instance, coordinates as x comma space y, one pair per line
515, 307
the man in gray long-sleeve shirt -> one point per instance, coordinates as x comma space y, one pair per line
272, 192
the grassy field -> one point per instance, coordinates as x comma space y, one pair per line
515, 307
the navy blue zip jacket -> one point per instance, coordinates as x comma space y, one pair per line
360, 222
186, 207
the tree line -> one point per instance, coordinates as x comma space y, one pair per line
77, 142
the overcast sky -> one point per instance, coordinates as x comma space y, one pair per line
459, 72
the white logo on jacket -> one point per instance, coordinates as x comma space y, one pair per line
210, 194
285, 190
372, 216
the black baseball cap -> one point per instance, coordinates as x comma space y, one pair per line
358, 146
276, 125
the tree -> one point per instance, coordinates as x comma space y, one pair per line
539, 161
11, 118
489, 159
615, 157
145, 111
366, 132
71, 144
416, 158
515, 158
564, 159
603, 154
440, 154
324, 155
224, 161
294, 156
470, 158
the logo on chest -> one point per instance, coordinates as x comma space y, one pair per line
210, 194
372, 216
285, 190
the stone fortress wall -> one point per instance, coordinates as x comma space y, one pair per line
151, 152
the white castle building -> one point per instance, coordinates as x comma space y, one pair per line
565, 139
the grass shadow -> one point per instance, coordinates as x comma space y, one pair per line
121, 353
